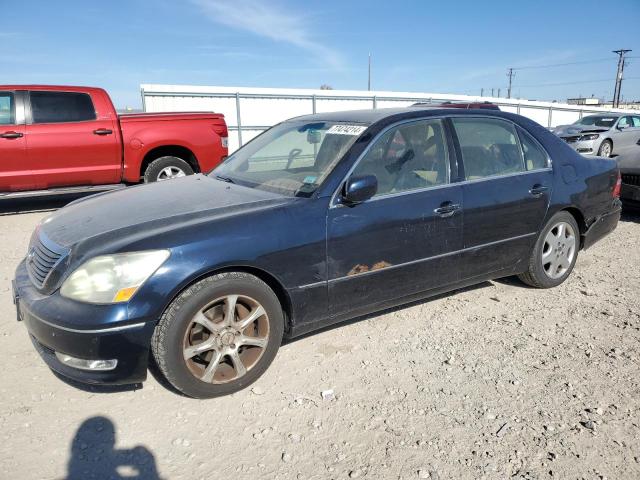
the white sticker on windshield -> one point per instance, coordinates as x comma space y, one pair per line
347, 129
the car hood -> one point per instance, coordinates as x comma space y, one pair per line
152, 208
569, 130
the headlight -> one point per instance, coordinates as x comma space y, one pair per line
589, 136
112, 278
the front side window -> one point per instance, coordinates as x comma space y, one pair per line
7, 109
489, 147
535, 157
292, 158
625, 122
407, 157
58, 107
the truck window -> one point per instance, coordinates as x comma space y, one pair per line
7, 109
57, 107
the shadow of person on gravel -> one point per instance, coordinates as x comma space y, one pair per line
94, 456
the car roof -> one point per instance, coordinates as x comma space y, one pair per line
371, 116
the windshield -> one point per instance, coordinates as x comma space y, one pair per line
292, 158
597, 121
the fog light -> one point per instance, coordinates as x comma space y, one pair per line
82, 364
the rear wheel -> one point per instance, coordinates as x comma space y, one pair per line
219, 335
166, 168
555, 252
606, 148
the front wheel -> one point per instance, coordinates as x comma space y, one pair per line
606, 149
219, 335
555, 252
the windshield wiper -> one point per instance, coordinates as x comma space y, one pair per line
224, 179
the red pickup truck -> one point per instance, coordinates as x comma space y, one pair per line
66, 139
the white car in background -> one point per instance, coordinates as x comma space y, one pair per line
605, 135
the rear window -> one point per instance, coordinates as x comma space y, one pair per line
57, 107
7, 109
489, 147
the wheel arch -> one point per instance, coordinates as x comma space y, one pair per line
178, 151
272, 282
580, 220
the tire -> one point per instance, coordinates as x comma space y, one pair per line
559, 248
181, 333
606, 149
165, 168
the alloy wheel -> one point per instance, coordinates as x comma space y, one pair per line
226, 339
170, 172
605, 150
558, 250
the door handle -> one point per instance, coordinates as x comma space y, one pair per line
538, 190
103, 131
10, 135
446, 209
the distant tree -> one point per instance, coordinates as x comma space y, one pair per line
324, 86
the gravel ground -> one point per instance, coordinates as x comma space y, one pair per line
496, 381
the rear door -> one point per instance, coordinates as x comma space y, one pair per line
71, 142
406, 239
14, 169
506, 191
624, 137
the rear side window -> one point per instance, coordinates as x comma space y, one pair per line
535, 157
489, 147
636, 121
57, 107
7, 109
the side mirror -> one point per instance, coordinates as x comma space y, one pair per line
359, 189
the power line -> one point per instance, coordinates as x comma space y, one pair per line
582, 62
570, 83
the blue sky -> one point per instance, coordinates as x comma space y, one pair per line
423, 46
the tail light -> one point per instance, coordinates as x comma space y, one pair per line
221, 130
618, 187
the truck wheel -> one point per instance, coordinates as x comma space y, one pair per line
166, 168
555, 252
219, 335
606, 149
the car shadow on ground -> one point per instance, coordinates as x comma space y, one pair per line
94, 455
18, 206
630, 214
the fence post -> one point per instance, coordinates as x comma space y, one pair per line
375, 102
313, 103
550, 113
239, 121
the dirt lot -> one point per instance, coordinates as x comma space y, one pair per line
496, 381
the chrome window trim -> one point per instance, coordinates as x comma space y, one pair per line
549, 167
441, 118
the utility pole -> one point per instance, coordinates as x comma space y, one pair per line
618, 87
492, 92
482, 92
498, 93
369, 81
510, 74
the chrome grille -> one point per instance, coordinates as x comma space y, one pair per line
631, 179
43, 256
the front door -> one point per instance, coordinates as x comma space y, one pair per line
404, 240
69, 142
506, 193
15, 174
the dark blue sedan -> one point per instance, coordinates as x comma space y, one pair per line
320, 219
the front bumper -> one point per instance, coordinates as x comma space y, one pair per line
57, 324
602, 226
585, 147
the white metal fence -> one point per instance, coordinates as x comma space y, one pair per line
249, 111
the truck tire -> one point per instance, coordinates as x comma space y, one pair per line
555, 253
166, 168
219, 335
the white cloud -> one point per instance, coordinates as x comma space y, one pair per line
267, 20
